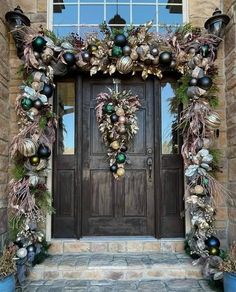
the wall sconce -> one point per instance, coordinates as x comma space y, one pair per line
17, 20
217, 23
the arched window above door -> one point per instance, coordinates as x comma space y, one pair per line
84, 16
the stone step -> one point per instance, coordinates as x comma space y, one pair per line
117, 266
116, 245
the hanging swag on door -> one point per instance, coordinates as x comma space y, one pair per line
118, 124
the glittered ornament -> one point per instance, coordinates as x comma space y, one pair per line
214, 251
120, 40
120, 158
26, 103
126, 50
38, 44
123, 148
21, 253
47, 90
115, 145
69, 58
114, 118
43, 151
120, 171
165, 58
86, 56
34, 160
212, 242
205, 82
124, 65
32, 113
116, 51
193, 82
120, 112
27, 147
113, 168
47, 55
38, 104
198, 189
122, 119
109, 108
154, 52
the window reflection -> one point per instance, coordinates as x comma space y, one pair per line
170, 139
66, 112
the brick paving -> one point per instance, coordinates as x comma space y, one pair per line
174, 285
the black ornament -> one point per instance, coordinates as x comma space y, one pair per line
120, 40
123, 148
212, 242
113, 168
205, 82
204, 50
47, 90
43, 151
69, 58
114, 118
193, 82
86, 56
39, 44
19, 243
38, 104
165, 58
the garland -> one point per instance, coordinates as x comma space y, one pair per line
188, 50
118, 124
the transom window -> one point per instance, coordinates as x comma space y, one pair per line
84, 16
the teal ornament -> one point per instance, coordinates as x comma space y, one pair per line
38, 44
120, 40
120, 158
116, 51
109, 108
26, 103
204, 50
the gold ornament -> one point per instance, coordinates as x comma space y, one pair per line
198, 189
27, 147
120, 112
115, 145
122, 119
213, 121
120, 171
124, 65
134, 55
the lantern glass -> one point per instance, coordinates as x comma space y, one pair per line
217, 28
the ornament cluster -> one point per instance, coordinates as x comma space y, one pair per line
117, 121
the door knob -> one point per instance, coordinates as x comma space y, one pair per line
149, 163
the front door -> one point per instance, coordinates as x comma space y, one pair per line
124, 207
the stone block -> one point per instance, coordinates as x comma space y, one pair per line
56, 248
114, 275
3, 220
134, 275
232, 169
51, 275
134, 246
74, 247
152, 246
221, 213
85, 275
28, 6
99, 247
42, 6
116, 246
232, 214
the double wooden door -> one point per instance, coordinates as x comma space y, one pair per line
88, 200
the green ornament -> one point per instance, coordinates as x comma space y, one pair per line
116, 51
109, 108
26, 103
39, 44
120, 158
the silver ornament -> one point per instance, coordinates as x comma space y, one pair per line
126, 50
33, 180
32, 113
21, 253
124, 65
154, 52
27, 147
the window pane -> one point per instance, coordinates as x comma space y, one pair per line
123, 11
143, 1
170, 1
61, 31
91, 14
172, 15
86, 31
142, 14
65, 14
169, 122
66, 122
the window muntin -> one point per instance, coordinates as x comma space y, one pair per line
84, 14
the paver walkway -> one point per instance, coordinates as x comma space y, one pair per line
180, 285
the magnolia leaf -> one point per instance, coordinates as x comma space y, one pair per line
93, 70
144, 74
112, 69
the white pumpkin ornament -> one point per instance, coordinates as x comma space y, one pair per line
27, 147
21, 253
124, 65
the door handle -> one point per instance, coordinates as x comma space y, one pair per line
149, 163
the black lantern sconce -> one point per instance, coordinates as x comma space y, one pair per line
16, 21
217, 23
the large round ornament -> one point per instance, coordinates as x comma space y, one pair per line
21, 253
69, 58
205, 82
47, 90
124, 65
115, 145
154, 52
165, 58
47, 55
120, 171
213, 242
116, 51
39, 44
86, 56
113, 168
213, 121
109, 108
122, 119
198, 189
26, 103
120, 112
126, 50
120, 40
43, 151
114, 118
123, 148
38, 104
120, 158
193, 82
34, 160
27, 147
214, 251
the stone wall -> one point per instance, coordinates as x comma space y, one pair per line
230, 77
